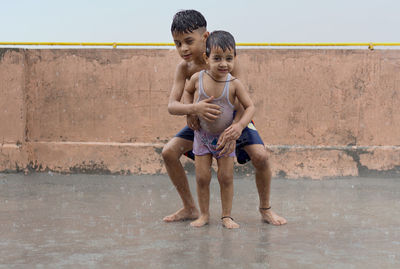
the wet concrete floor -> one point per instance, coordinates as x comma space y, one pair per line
105, 221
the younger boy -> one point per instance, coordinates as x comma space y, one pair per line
189, 30
217, 81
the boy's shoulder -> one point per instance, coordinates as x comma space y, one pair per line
196, 75
235, 81
182, 67
188, 69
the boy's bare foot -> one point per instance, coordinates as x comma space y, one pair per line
228, 222
182, 215
200, 222
271, 217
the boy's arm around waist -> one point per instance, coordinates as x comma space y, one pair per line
175, 107
204, 108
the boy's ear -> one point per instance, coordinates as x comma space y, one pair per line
206, 34
205, 57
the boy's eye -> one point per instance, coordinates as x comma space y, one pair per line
217, 58
189, 42
177, 44
229, 59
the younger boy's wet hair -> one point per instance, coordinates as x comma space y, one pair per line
186, 21
220, 39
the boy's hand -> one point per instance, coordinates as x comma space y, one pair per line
228, 148
232, 133
193, 122
207, 111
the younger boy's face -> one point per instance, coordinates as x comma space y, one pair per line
191, 46
221, 62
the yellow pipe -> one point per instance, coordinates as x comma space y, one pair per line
370, 45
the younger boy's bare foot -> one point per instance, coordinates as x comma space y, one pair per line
228, 222
200, 222
271, 217
182, 215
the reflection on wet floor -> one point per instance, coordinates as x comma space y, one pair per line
89, 221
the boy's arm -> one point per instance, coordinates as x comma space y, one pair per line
192, 120
203, 109
190, 89
248, 105
236, 72
175, 107
239, 110
241, 120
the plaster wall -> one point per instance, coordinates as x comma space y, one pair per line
321, 113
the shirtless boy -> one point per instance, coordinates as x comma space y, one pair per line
189, 30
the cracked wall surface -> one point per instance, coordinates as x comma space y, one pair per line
321, 113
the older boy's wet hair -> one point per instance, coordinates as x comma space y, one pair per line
220, 39
187, 21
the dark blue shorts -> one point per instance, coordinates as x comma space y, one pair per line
249, 136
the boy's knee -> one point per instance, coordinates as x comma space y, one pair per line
203, 180
168, 154
260, 159
225, 179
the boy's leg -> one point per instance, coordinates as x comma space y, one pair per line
251, 147
171, 154
225, 179
259, 158
203, 179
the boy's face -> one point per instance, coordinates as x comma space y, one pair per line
220, 62
191, 46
